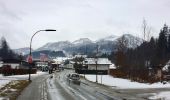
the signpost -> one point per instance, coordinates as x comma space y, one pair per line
29, 59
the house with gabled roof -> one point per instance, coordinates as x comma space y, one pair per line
93, 65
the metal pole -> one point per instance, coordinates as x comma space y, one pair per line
31, 54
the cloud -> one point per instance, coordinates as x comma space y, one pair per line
7, 13
77, 18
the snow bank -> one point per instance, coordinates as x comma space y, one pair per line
3, 82
161, 96
123, 83
6, 79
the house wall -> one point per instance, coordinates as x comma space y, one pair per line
70, 66
159, 74
99, 67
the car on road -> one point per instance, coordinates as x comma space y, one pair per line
74, 78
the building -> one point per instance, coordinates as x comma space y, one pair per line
14, 63
95, 65
102, 63
156, 72
79, 56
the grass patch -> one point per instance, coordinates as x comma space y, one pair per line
13, 89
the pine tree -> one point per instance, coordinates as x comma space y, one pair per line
168, 44
5, 51
162, 47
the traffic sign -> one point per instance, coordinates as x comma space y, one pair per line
29, 59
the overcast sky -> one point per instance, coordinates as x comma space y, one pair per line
74, 19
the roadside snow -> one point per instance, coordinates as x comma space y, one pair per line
6, 79
161, 96
3, 83
124, 83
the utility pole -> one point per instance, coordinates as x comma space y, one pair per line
96, 63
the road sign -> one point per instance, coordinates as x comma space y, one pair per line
29, 59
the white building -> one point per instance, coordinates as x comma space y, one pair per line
102, 63
79, 56
11, 62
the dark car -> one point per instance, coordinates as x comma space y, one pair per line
74, 78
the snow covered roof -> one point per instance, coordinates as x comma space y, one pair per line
61, 59
103, 61
112, 66
165, 68
79, 55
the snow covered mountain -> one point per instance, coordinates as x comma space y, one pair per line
132, 41
108, 38
82, 41
85, 45
22, 51
56, 46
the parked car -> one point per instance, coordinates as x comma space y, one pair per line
74, 78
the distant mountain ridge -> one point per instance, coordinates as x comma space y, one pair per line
87, 46
22, 51
82, 41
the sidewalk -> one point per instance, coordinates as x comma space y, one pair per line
35, 89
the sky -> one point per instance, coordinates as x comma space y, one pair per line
74, 19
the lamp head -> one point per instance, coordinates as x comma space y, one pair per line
49, 30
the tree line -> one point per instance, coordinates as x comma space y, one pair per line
136, 62
5, 51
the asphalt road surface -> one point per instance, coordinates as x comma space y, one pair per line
57, 87
36, 90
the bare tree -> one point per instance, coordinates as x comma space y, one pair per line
144, 26
122, 44
146, 30
148, 35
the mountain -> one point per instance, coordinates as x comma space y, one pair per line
47, 53
87, 46
108, 38
132, 41
82, 41
56, 46
23, 51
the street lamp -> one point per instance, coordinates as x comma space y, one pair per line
30, 55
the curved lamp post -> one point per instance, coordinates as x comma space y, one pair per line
30, 55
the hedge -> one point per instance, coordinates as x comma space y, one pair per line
6, 71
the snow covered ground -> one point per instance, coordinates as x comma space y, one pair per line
127, 84
161, 96
6, 79
124, 83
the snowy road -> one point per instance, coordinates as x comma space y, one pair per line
58, 88
86, 91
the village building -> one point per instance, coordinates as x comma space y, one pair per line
95, 65
13, 63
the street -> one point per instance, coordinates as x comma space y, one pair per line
57, 87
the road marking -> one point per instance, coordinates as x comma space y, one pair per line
43, 92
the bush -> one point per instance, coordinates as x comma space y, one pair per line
6, 71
